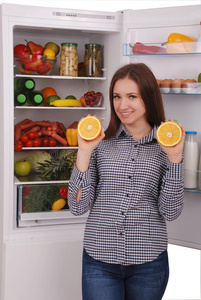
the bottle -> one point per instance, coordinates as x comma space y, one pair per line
19, 98
93, 60
35, 98
25, 85
191, 157
69, 60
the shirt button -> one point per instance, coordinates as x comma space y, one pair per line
132, 159
127, 195
130, 177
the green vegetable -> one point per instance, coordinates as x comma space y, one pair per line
35, 157
41, 197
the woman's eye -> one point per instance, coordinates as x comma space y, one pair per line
116, 97
132, 96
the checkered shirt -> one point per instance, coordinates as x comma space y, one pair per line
130, 191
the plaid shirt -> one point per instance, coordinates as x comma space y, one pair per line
131, 189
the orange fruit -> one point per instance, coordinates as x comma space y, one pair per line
82, 101
169, 134
89, 128
48, 91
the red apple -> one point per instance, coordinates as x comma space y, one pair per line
21, 51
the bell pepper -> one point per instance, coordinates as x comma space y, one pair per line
179, 43
71, 135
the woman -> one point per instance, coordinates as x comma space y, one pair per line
131, 185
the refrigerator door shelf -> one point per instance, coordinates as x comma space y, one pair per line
139, 49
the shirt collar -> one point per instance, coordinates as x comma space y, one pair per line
146, 139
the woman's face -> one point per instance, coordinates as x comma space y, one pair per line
128, 103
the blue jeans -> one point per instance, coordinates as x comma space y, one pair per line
103, 281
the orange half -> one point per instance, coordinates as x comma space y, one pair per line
169, 134
89, 128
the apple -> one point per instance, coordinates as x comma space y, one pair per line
22, 168
35, 48
53, 46
21, 51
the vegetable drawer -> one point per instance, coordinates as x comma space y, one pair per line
44, 204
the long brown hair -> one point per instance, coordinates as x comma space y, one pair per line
149, 92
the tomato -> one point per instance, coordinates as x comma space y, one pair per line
29, 143
37, 143
63, 192
45, 142
24, 138
20, 142
52, 142
32, 135
18, 147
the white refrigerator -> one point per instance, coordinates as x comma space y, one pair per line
41, 251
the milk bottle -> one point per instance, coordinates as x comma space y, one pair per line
191, 158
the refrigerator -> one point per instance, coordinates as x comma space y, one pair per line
41, 249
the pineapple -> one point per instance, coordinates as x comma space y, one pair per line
59, 168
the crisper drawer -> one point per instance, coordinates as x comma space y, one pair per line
44, 204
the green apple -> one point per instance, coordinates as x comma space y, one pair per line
53, 46
22, 168
199, 77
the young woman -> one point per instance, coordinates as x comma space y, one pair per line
131, 185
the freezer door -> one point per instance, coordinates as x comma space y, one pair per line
152, 27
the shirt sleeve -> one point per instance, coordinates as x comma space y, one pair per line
171, 199
87, 182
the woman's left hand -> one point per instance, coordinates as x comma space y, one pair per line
175, 153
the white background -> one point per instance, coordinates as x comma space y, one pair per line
184, 282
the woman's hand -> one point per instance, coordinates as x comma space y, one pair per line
175, 153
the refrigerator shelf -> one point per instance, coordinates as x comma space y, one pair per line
173, 49
60, 77
63, 107
18, 182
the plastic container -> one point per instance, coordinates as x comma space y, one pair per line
191, 158
93, 60
69, 60
35, 98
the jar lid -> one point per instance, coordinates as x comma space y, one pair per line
93, 45
74, 44
191, 132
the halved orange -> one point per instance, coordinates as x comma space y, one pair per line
89, 128
169, 134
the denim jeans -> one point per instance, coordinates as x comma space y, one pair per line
103, 281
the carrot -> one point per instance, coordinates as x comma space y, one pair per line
59, 139
27, 125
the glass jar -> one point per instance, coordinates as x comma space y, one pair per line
93, 60
191, 157
69, 60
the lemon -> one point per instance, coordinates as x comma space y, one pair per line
58, 204
49, 53
70, 97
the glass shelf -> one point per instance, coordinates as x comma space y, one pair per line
60, 77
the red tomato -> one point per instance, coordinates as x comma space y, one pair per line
52, 142
18, 147
20, 142
29, 143
24, 138
32, 135
37, 143
45, 142
63, 192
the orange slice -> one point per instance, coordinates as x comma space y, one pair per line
169, 134
89, 128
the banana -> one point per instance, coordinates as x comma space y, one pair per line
66, 102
